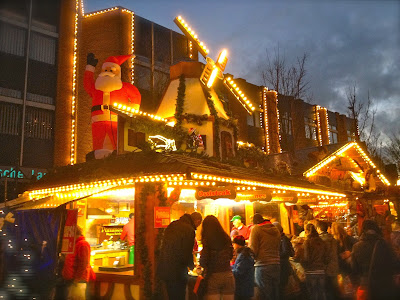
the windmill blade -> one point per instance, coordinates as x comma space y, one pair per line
191, 35
234, 89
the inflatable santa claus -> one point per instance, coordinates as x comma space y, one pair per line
107, 89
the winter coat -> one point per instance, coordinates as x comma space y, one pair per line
77, 265
332, 246
216, 258
176, 253
382, 269
286, 250
243, 270
265, 241
315, 256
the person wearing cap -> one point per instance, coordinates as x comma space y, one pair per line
239, 227
105, 91
265, 242
243, 269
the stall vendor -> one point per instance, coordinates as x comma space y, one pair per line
128, 234
240, 227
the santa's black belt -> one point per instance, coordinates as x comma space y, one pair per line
99, 107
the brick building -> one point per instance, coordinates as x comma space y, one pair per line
30, 32
114, 31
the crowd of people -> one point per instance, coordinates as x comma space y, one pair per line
322, 261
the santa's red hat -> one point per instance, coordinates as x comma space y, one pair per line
115, 61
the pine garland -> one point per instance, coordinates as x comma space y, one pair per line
214, 113
180, 100
143, 250
162, 201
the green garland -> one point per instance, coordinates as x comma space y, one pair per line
180, 100
162, 201
142, 248
214, 113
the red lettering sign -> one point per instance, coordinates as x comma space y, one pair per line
68, 241
162, 216
215, 193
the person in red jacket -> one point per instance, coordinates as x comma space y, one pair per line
77, 271
105, 91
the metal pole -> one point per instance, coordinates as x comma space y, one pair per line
21, 156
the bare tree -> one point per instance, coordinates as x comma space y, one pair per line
288, 80
363, 114
392, 150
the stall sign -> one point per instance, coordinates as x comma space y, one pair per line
215, 193
22, 173
81, 205
254, 195
68, 241
162, 216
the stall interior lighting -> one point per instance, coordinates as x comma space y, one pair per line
232, 86
131, 112
199, 176
338, 153
191, 35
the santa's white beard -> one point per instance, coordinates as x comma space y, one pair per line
107, 83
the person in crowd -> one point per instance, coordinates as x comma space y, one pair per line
299, 227
345, 245
77, 271
215, 258
395, 242
128, 234
315, 260
243, 269
372, 263
285, 251
332, 269
240, 227
265, 242
176, 254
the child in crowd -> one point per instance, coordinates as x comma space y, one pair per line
243, 269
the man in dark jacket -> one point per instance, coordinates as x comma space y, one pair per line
332, 269
285, 251
265, 241
378, 278
176, 254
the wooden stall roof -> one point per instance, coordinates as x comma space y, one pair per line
152, 163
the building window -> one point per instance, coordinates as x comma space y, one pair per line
10, 119
350, 136
310, 128
38, 123
227, 145
12, 39
286, 123
250, 120
136, 139
333, 134
43, 48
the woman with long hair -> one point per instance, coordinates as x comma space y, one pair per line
314, 262
215, 259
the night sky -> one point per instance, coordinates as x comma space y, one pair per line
348, 42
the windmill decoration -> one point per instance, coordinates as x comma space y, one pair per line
212, 69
